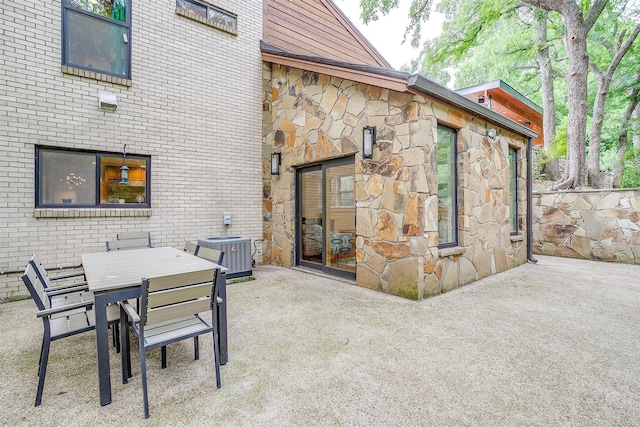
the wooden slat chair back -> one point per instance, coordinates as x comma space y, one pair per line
135, 235
58, 322
60, 294
210, 254
190, 247
123, 245
169, 312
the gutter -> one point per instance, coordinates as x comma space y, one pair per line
418, 83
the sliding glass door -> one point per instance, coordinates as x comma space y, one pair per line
326, 217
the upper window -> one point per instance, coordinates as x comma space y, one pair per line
87, 179
208, 14
447, 188
96, 36
513, 189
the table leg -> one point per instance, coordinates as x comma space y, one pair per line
222, 321
102, 346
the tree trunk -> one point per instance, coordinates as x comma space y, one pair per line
551, 168
604, 82
634, 101
576, 47
575, 40
595, 137
635, 132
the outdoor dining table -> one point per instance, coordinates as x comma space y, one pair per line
117, 275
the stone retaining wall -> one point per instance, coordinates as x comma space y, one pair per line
601, 225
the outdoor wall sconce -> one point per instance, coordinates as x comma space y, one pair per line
107, 101
491, 133
276, 160
368, 139
124, 170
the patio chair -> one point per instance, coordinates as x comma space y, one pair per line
61, 294
70, 293
169, 312
190, 247
210, 254
58, 322
135, 235
123, 245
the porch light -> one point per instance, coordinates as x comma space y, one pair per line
368, 139
491, 133
124, 170
276, 159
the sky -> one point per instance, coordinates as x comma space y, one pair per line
387, 32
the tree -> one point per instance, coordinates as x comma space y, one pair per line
575, 42
604, 78
634, 101
471, 25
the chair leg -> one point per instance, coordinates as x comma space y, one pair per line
196, 348
40, 359
216, 355
44, 358
164, 356
125, 352
143, 369
116, 337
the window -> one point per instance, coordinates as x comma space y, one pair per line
96, 36
86, 179
447, 187
341, 192
513, 190
207, 14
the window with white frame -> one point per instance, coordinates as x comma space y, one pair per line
66, 179
96, 36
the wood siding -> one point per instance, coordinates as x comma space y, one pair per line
316, 28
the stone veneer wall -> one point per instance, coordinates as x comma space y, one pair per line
601, 225
316, 117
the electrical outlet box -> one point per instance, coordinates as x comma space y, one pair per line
226, 219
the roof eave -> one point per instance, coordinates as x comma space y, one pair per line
418, 83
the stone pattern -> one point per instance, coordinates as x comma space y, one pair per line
317, 117
600, 225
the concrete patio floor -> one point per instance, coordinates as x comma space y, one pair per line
555, 343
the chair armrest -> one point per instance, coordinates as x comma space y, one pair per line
130, 311
67, 289
66, 276
64, 309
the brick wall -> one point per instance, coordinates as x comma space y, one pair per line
193, 105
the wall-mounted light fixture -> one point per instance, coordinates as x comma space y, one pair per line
279, 82
491, 133
124, 170
368, 139
107, 101
276, 160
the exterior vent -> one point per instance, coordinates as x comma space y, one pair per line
237, 253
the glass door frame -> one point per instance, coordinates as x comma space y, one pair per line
299, 261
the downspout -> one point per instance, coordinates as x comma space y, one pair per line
529, 199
